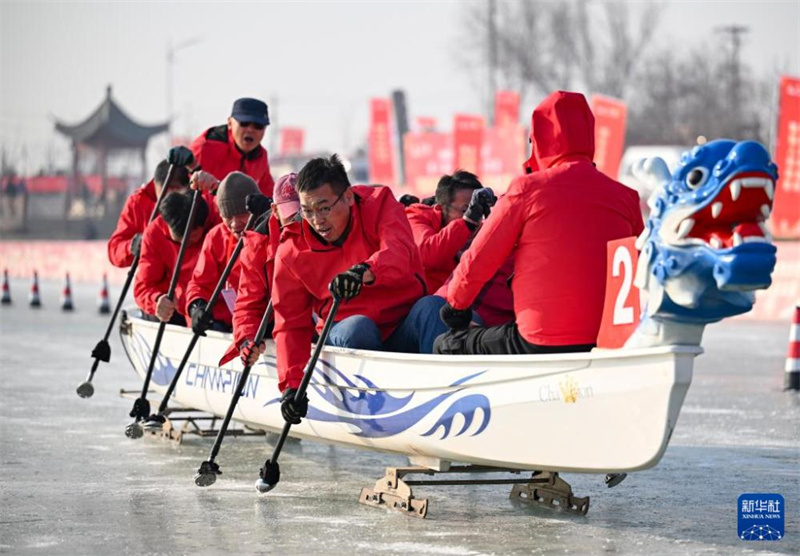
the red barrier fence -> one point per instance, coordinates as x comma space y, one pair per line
86, 261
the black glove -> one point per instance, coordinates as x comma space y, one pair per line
480, 205
457, 319
201, 318
293, 410
136, 244
257, 204
180, 156
347, 285
408, 199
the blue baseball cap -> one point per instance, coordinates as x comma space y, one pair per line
250, 110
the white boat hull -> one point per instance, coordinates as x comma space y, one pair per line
598, 412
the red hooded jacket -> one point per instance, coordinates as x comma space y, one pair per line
217, 249
156, 264
379, 235
560, 219
218, 155
133, 220
438, 244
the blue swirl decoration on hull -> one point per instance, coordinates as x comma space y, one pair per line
378, 414
163, 371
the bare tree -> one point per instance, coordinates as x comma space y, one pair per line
543, 46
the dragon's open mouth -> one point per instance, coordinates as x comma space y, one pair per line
736, 215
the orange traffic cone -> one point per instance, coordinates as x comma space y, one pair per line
792, 377
6, 290
103, 306
66, 296
33, 299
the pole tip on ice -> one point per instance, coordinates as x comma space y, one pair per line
207, 474
34, 300
103, 304
85, 390
268, 477
66, 296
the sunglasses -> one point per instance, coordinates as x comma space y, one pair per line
254, 125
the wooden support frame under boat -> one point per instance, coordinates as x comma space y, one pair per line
543, 488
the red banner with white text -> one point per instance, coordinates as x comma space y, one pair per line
381, 161
785, 218
506, 108
292, 139
609, 133
468, 142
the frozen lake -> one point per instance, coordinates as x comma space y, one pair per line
72, 483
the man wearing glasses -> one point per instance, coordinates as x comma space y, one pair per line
353, 242
233, 147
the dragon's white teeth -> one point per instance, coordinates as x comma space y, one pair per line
685, 227
715, 243
763, 226
765, 210
754, 182
716, 208
769, 188
737, 239
736, 189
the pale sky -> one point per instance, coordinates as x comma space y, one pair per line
315, 63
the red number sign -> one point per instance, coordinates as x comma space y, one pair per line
621, 309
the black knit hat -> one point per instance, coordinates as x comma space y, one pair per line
232, 194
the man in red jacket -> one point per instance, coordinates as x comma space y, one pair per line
218, 246
160, 245
233, 147
126, 240
258, 269
557, 222
443, 230
355, 243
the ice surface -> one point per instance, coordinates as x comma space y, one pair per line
73, 484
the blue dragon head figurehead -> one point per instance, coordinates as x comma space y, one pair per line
705, 248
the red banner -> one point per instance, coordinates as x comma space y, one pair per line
428, 157
506, 108
503, 155
425, 123
785, 219
381, 161
292, 139
609, 133
467, 142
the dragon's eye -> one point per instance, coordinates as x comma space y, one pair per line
696, 177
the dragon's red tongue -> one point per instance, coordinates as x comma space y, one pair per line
722, 238
748, 229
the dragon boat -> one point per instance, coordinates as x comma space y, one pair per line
704, 252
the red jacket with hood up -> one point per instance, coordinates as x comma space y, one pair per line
217, 154
133, 220
560, 218
438, 244
379, 234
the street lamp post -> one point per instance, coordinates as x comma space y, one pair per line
172, 49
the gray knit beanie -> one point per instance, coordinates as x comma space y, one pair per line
232, 192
